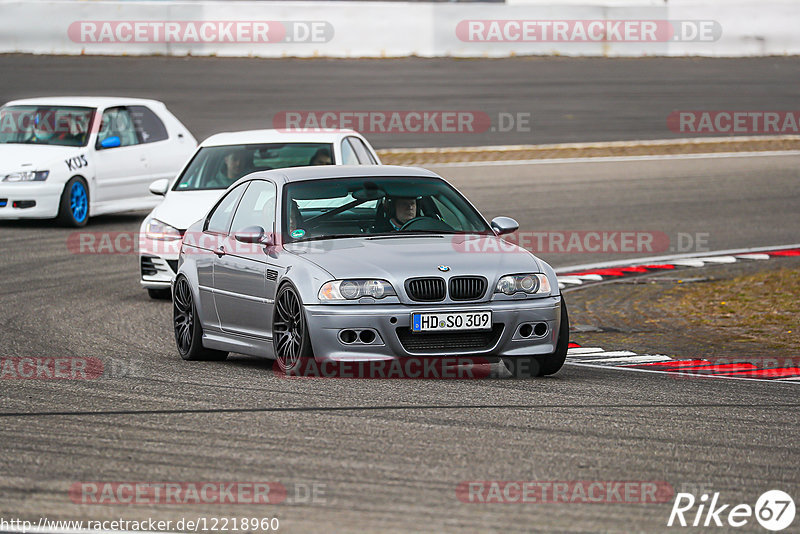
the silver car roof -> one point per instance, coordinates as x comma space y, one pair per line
324, 172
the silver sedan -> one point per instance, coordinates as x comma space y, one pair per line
362, 263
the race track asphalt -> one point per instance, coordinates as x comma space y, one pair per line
389, 454
568, 99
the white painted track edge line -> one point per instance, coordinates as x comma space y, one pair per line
678, 375
753, 256
692, 141
608, 159
632, 262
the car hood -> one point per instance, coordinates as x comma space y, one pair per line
16, 157
398, 258
180, 209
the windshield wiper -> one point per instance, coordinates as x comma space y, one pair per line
328, 236
412, 233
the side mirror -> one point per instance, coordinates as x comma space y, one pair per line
504, 225
111, 142
253, 234
159, 187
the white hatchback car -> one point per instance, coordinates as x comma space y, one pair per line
218, 162
77, 157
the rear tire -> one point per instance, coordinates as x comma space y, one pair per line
188, 330
73, 209
159, 293
552, 363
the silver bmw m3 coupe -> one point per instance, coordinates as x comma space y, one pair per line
362, 263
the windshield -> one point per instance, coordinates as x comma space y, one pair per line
45, 125
218, 167
348, 207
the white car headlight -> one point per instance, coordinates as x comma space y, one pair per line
161, 231
355, 289
27, 176
532, 284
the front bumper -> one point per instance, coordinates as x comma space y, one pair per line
47, 197
158, 262
394, 340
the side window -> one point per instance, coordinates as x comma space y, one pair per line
257, 207
147, 124
117, 122
219, 220
348, 154
361, 151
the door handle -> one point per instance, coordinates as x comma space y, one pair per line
220, 251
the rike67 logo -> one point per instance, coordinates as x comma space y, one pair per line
774, 510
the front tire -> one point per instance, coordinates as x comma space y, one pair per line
73, 209
552, 363
548, 364
188, 330
290, 336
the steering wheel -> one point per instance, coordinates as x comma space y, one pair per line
426, 223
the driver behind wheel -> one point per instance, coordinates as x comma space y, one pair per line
400, 210
235, 164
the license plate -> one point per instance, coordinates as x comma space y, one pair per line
440, 322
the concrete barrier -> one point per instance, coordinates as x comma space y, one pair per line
395, 29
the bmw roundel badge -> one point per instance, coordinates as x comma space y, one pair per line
443, 268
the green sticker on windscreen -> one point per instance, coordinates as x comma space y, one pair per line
297, 234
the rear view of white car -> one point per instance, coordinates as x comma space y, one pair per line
218, 162
72, 158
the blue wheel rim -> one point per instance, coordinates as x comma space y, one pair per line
79, 201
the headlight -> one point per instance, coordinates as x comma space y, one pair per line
355, 289
27, 176
532, 284
160, 231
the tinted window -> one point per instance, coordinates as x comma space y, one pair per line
343, 207
45, 125
348, 154
220, 219
217, 167
117, 122
257, 207
361, 151
147, 124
